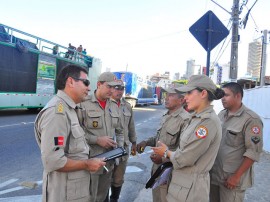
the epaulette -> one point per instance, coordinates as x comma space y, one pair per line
252, 114
206, 116
59, 108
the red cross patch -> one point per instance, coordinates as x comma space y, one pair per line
201, 132
256, 129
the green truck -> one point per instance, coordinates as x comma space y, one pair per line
29, 66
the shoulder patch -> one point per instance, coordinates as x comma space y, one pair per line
256, 130
255, 139
201, 132
60, 108
59, 141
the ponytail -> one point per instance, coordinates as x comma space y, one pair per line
219, 93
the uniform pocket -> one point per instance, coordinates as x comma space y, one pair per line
173, 135
78, 185
180, 186
127, 116
77, 141
94, 120
234, 138
115, 119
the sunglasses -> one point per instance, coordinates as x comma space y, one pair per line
86, 82
119, 87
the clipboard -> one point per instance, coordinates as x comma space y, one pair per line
113, 154
161, 175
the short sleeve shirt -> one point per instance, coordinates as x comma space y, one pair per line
241, 137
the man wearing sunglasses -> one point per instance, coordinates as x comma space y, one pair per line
127, 120
104, 131
64, 151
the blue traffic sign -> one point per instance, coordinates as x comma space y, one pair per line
209, 31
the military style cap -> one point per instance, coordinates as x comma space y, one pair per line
120, 83
170, 90
109, 78
198, 81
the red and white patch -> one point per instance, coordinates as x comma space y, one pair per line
59, 141
256, 129
201, 132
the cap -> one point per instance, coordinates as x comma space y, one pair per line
120, 85
198, 81
172, 88
169, 90
109, 78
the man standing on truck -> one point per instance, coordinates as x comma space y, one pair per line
126, 116
70, 52
169, 131
104, 132
64, 150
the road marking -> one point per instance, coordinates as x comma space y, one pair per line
33, 198
15, 188
133, 169
17, 124
11, 190
7, 182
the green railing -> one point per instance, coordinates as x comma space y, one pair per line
44, 45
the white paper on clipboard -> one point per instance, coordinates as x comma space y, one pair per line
163, 178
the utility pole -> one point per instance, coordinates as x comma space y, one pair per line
235, 39
263, 60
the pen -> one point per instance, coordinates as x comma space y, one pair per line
106, 168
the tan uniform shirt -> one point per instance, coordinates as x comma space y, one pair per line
194, 157
60, 136
127, 121
169, 130
100, 122
241, 137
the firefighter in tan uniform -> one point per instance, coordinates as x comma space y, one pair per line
199, 143
101, 121
127, 120
64, 150
169, 131
241, 145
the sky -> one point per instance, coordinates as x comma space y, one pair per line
141, 36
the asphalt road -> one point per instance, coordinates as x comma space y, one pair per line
21, 167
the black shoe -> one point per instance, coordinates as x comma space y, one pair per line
115, 193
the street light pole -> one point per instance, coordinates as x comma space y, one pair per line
235, 39
263, 58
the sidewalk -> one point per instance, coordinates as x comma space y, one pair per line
259, 192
